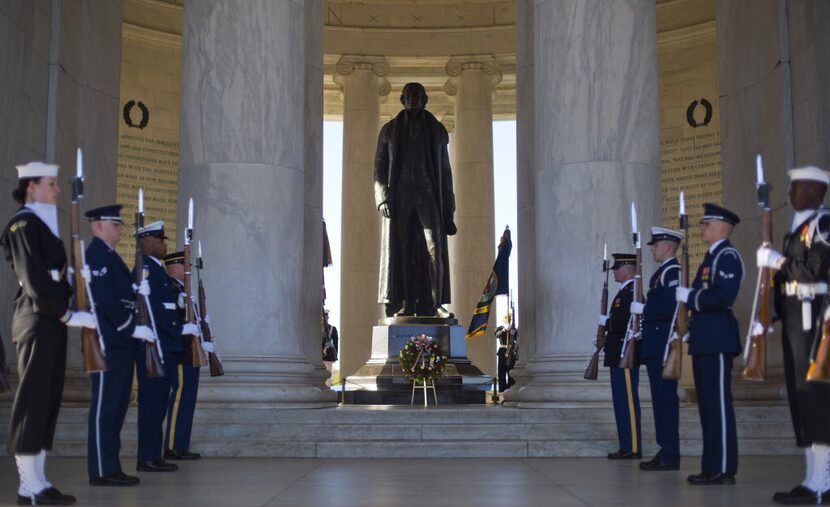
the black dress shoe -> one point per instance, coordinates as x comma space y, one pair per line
800, 495
119, 479
156, 466
624, 455
656, 465
177, 455
49, 496
707, 479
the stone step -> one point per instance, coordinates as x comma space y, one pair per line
470, 431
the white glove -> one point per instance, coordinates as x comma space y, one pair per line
86, 274
686, 338
206, 318
81, 319
144, 288
190, 328
637, 308
602, 319
144, 333
181, 301
681, 294
207, 347
769, 258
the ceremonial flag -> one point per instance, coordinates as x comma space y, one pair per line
497, 284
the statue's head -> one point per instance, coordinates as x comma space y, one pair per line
414, 97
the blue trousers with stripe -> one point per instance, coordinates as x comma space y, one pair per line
713, 386
181, 407
666, 407
624, 384
110, 399
153, 398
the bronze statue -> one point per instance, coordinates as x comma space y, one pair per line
413, 193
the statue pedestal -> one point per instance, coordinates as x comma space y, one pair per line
381, 382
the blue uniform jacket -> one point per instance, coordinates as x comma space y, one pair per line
714, 329
659, 310
163, 298
112, 290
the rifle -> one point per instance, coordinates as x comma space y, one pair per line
92, 346
4, 382
592, 368
755, 351
198, 357
819, 370
216, 369
628, 355
673, 356
153, 357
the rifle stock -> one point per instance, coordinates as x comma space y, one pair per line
628, 358
592, 369
755, 353
819, 370
214, 361
153, 362
673, 364
93, 353
198, 357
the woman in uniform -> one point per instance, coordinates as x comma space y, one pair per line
32, 245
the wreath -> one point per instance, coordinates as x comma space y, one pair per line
422, 360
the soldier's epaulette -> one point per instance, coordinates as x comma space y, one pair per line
17, 225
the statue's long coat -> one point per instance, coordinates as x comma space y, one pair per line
390, 286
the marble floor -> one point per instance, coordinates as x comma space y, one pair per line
560, 482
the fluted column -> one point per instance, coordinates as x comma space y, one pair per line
597, 148
246, 113
471, 84
362, 81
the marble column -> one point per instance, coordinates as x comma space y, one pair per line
362, 81
60, 63
246, 112
471, 83
596, 149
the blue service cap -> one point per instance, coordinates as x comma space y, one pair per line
109, 213
713, 212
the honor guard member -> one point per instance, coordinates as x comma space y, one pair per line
505, 334
714, 343
31, 243
800, 297
624, 381
154, 393
658, 312
114, 296
182, 404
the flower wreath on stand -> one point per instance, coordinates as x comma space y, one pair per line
421, 359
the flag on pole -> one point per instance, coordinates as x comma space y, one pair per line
497, 284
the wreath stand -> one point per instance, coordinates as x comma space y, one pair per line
425, 385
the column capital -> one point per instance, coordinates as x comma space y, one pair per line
457, 65
377, 65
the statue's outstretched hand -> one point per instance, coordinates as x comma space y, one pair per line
384, 210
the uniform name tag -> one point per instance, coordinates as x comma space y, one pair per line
55, 274
169, 306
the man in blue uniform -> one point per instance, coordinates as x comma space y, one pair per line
714, 343
114, 297
154, 393
800, 297
624, 381
182, 404
658, 312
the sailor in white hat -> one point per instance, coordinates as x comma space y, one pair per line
800, 293
32, 245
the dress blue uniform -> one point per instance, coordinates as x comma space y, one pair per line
114, 298
713, 345
624, 381
657, 320
182, 404
154, 393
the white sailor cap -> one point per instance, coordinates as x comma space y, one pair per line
155, 229
810, 173
662, 234
36, 170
